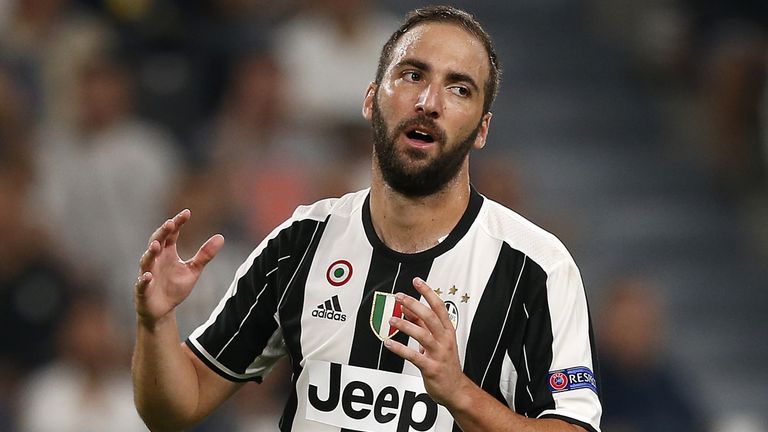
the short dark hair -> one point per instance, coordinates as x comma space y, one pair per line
446, 14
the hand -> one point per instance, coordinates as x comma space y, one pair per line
165, 280
438, 358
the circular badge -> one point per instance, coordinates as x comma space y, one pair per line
558, 381
339, 273
453, 313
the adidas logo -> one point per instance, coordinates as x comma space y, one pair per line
330, 309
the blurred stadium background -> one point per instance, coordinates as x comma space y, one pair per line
635, 131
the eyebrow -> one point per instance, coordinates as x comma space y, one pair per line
453, 76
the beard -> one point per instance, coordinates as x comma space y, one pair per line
402, 176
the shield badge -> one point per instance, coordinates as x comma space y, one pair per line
384, 307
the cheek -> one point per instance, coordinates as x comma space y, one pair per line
391, 95
399, 95
389, 103
472, 113
467, 124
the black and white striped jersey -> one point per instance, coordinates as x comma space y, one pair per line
318, 290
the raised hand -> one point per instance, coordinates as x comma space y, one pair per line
438, 358
165, 280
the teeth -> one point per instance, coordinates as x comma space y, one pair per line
422, 133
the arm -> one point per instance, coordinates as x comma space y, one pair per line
475, 410
472, 408
173, 389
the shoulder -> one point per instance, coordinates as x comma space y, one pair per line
299, 231
320, 210
306, 219
519, 233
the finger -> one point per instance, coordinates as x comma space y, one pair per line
148, 257
419, 333
434, 301
142, 282
417, 310
180, 219
403, 351
161, 232
158, 233
167, 227
207, 251
419, 322
411, 316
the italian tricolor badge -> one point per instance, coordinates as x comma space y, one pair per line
383, 308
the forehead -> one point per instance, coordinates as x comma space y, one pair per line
443, 46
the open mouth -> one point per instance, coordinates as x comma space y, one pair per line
421, 135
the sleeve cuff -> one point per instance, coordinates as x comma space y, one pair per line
572, 421
226, 374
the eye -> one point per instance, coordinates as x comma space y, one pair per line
460, 91
412, 76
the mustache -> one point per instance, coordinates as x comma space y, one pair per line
422, 120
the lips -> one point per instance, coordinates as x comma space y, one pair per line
420, 135
422, 132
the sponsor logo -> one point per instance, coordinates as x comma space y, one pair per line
453, 313
339, 273
572, 379
330, 309
367, 400
383, 307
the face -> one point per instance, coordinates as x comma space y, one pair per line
427, 112
104, 95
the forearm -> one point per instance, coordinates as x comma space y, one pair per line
477, 411
164, 377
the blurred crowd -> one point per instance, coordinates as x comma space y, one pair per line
706, 62
115, 114
708, 57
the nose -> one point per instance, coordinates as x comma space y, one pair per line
429, 101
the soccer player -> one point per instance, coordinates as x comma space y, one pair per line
417, 304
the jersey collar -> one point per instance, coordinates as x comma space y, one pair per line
461, 228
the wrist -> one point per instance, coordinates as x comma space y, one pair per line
465, 396
152, 324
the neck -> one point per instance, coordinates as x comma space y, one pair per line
410, 225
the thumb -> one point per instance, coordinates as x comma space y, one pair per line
207, 251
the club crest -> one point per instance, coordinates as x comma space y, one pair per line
453, 313
383, 307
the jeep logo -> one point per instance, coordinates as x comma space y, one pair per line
371, 405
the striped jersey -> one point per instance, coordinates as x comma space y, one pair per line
319, 290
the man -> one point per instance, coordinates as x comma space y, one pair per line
497, 338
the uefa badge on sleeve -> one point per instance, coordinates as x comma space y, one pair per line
384, 307
572, 379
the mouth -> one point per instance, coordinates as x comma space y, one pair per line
420, 136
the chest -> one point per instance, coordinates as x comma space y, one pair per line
343, 290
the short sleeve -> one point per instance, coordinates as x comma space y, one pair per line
560, 351
242, 338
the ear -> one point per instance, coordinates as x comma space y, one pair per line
485, 123
370, 93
